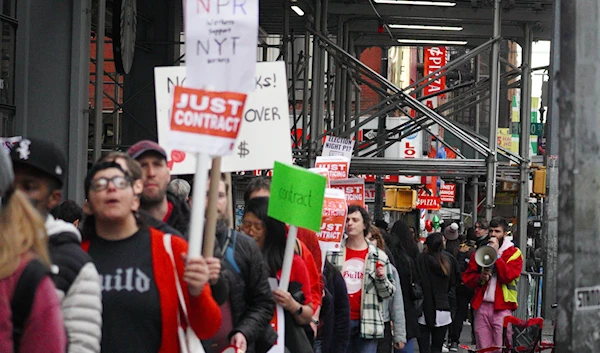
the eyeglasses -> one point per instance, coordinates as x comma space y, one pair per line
120, 182
257, 226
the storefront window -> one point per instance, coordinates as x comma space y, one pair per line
8, 26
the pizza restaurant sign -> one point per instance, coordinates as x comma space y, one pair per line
428, 202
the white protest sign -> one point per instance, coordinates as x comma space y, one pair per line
337, 166
334, 220
264, 135
205, 121
338, 146
220, 43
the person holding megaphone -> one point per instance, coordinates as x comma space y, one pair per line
493, 272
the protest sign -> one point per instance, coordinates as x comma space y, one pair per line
265, 114
277, 323
338, 166
338, 146
448, 192
334, 220
296, 196
220, 44
205, 121
353, 188
297, 199
321, 171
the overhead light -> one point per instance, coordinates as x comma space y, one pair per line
416, 2
432, 41
433, 28
297, 10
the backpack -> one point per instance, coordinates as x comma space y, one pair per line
228, 251
23, 296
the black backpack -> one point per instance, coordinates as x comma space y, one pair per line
23, 296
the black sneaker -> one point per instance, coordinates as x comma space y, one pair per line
453, 347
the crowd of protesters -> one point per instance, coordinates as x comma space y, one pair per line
113, 275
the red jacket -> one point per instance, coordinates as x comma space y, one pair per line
506, 272
205, 314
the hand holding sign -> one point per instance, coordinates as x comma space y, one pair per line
296, 198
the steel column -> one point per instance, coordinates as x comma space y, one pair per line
314, 88
305, 96
494, 112
99, 87
550, 224
578, 324
524, 138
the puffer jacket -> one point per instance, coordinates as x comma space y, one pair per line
437, 286
77, 286
251, 299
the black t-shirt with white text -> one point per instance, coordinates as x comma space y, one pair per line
131, 318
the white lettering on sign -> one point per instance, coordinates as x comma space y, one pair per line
587, 298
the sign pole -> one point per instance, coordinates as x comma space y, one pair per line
288, 256
211, 210
198, 206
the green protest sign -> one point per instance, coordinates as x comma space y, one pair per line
297, 196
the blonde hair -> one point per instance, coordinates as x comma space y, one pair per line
21, 230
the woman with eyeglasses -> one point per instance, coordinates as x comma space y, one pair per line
139, 292
271, 236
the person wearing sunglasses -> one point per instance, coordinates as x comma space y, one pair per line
139, 292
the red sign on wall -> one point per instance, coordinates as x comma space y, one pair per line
448, 193
428, 202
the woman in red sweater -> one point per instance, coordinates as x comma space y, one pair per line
138, 284
23, 248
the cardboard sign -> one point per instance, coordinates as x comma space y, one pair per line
322, 171
338, 146
337, 166
220, 44
205, 121
297, 196
428, 202
448, 193
334, 220
277, 323
353, 188
265, 114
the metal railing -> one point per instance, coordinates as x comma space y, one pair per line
529, 296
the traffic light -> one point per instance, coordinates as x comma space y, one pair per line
539, 181
400, 198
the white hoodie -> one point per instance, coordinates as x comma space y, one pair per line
490, 292
82, 303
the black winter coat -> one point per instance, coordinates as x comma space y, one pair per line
335, 312
180, 215
406, 265
251, 299
438, 288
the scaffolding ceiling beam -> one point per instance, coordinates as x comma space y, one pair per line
440, 167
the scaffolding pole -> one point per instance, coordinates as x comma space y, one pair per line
494, 112
99, 88
524, 139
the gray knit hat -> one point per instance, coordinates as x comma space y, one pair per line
6, 173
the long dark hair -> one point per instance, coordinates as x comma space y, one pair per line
405, 241
275, 234
452, 246
435, 245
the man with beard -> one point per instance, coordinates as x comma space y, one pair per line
496, 290
154, 198
249, 307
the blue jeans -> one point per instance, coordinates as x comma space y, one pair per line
409, 347
357, 344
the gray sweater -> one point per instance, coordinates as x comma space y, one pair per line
393, 309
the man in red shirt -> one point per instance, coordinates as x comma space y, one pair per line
496, 290
368, 276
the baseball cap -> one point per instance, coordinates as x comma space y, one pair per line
144, 146
41, 155
451, 232
6, 173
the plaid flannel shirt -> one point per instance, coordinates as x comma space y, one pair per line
373, 291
